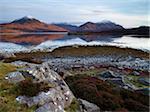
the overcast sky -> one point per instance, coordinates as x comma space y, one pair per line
128, 13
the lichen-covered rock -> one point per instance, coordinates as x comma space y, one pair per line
55, 99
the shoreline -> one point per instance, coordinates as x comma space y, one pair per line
74, 51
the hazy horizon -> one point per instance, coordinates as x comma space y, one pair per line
129, 13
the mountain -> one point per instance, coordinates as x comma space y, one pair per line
110, 28
100, 27
142, 30
67, 26
25, 20
29, 24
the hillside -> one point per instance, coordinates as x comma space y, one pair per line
100, 27
28, 24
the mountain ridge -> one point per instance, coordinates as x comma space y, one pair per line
26, 24
29, 24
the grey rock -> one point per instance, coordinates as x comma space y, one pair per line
56, 99
88, 107
136, 73
22, 64
50, 107
15, 77
7, 54
145, 81
108, 74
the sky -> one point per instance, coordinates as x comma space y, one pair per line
129, 13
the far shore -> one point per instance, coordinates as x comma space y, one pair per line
77, 51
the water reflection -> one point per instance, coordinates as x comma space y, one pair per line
35, 39
55, 40
30, 39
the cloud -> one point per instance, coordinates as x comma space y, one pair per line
124, 12
99, 13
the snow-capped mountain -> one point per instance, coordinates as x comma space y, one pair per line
29, 24
25, 19
100, 27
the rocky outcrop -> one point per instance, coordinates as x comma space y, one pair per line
108, 74
56, 99
116, 79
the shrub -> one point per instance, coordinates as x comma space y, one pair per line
28, 88
105, 96
133, 105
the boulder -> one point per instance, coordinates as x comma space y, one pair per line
50, 107
15, 77
107, 74
144, 81
88, 107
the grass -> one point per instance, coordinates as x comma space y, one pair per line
8, 101
88, 72
74, 107
130, 79
6, 68
134, 80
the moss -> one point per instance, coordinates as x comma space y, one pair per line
8, 101
74, 106
134, 80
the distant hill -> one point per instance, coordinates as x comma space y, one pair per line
142, 30
28, 24
109, 28
67, 26
100, 27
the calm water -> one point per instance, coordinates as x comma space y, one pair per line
44, 41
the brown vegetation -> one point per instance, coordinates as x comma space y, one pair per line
105, 95
28, 88
80, 51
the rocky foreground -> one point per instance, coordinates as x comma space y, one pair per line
76, 79
54, 96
